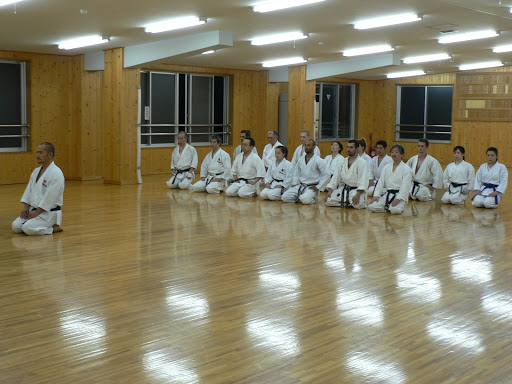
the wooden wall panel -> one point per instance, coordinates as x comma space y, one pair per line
50, 83
301, 105
92, 134
128, 132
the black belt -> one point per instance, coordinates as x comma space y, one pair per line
345, 195
414, 187
303, 188
456, 185
390, 197
208, 181
57, 208
178, 171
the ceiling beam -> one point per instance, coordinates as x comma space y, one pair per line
356, 64
160, 50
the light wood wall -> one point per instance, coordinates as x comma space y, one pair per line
90, 116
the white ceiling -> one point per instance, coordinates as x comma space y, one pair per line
38, 25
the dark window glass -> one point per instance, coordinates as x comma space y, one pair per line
329, 107
345, 111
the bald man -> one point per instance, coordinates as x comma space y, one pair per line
183, 164
300, 151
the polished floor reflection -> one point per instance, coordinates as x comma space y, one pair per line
147, 285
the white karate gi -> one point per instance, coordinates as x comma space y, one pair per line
366, 157
355, 177
277, 174
462, 173
332, 164
182, 161
376, 169
269, 153
238, 150
498, 176
430, 173
398, 180
214, 166
46, 193
251, 169
299, 152
305, 176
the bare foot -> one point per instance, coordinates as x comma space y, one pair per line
57, 228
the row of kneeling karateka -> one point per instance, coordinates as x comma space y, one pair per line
382, 183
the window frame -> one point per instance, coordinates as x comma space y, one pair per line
425, 117
353, 100
24, 126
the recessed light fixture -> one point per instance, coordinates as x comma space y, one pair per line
208, 52
7, 2
83, 42
282, 4
173, 24
458, 37
426, 58
279, 38
368, 50
503, 48
395, 75
281, 62
486, 64
386, 21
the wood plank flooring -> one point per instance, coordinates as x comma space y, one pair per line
148, 285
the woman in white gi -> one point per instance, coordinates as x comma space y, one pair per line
215, 169
490, 181
458, 179
43, 197
392, 191
278, 176
247, 171
183, 164
333, 160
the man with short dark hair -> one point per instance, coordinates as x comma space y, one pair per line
377, 164
183, 164
427, 174
245, 133
43, 197
215, 169
247, 171
348, 185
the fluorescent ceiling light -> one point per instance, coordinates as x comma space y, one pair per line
405, 74
385, 21
279, 38
283, 4
503, 48
368, 50
426, 58
171, 25
82, 42
281, 62
7, 2
457, 37
487, 64
208, 52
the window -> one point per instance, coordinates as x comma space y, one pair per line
424, 112
173, 102
13, 106
335, 111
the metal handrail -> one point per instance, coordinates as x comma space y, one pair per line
12, 136
182, 125
14, 125
427, 132
174, 133
422, 125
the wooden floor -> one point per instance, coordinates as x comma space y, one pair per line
147, 285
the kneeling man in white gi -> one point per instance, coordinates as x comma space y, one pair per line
427, 174
490, 181
183, 164
392, 191
348, 185
215, 169
43, 197
309, 176
247, 171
